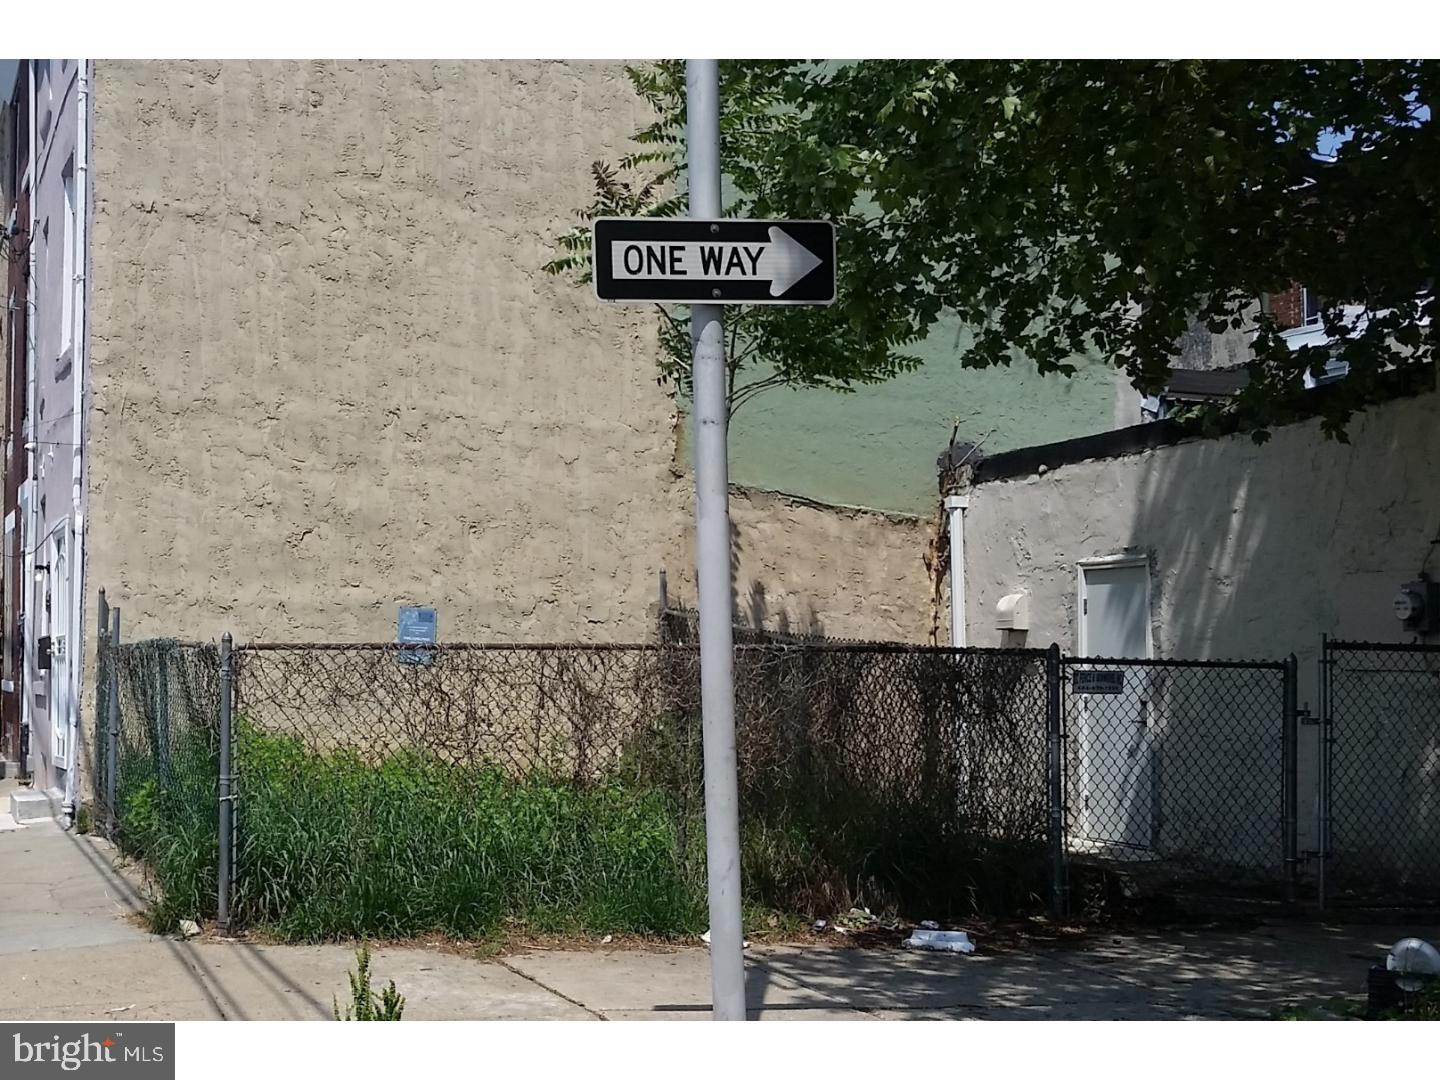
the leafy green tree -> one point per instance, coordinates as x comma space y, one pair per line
1059, 208
766, 347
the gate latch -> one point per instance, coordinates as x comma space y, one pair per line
1306, 717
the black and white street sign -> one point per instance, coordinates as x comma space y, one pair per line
685, 261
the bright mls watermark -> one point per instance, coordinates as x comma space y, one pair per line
116, 1051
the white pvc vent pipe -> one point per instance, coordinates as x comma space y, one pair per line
955, 506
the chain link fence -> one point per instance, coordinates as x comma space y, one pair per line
679, 625
1380, 829
1183, 769
156, 780
391, 789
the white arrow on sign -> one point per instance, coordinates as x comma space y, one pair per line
782, 261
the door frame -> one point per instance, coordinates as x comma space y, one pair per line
1084, 735
60, 683
1111, 562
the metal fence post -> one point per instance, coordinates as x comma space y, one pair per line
1055, 769
100, 738
1290, 779
226, 807
161, 705
102, 685
1327, 733
112, 736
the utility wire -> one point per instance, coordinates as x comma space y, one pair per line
36, 550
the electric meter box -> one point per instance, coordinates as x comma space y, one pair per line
1417, 606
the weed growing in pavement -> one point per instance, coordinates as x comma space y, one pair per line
365, 1004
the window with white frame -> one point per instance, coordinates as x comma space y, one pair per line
1310, 305
43, 98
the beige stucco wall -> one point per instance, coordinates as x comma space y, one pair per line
329, 376
813, 569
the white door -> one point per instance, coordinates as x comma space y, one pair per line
1117, 766
60, 650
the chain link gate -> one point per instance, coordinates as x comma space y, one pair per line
1183, 770
1379, 774
1184, 775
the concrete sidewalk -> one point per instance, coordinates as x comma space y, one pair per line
70, 948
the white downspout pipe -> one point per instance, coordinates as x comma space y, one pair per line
955, 506
79, 364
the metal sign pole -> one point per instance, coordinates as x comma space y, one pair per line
712, 562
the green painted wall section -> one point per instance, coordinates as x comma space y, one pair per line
877, 447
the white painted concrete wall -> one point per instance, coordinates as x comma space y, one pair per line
1255, 550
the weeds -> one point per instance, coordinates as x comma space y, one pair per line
333, 846
330, 846
1336, 1008
168, 822
365, 1004
1424, 1005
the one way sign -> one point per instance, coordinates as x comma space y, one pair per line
685, 261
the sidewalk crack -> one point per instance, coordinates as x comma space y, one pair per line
550, 989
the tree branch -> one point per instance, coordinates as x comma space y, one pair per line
754, 389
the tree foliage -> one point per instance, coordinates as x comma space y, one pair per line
766, 347
1061, 208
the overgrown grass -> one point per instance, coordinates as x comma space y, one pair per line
168, 821
333, 846
828, 857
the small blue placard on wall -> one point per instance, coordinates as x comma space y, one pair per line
416, 626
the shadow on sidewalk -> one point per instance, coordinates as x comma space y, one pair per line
205, 975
